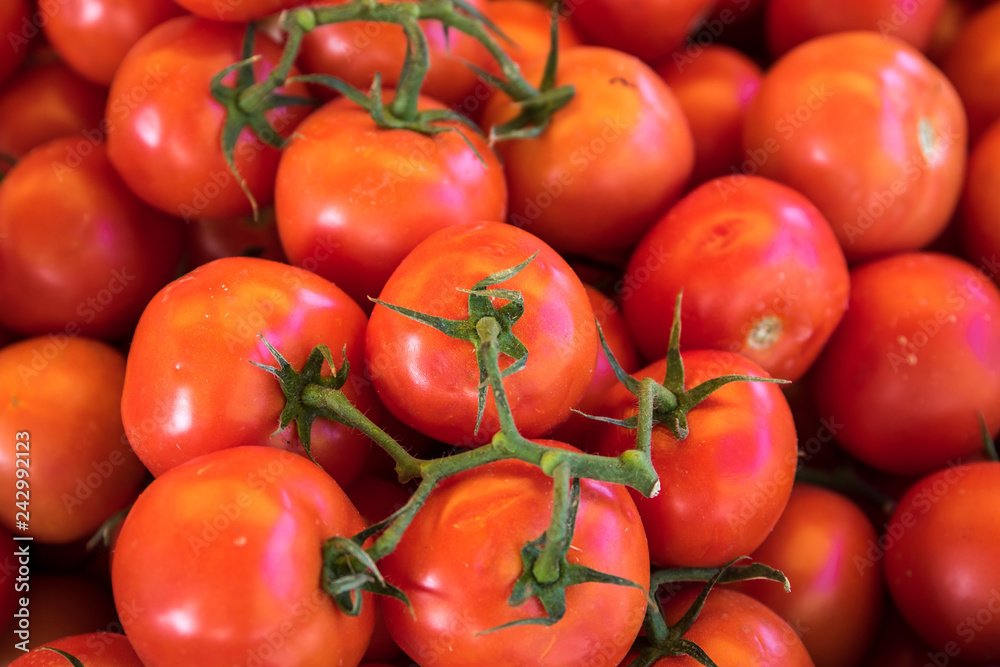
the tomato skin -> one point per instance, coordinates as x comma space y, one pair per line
65, 392
648, 29
557, 329
207, 240
81, 254
980, 201
726, 484
237, 10
528, 24
941, 567
818, 124
973, 61
95, 48
45, 102
13, 19
611, 161
352, 199
190, 386
792, 22
746, 231
834, 604
714, 89
354, 51
96, 649
164, 140
914, 360
234, 539
461, 555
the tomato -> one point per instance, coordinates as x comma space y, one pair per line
914, 361
869, 131
972, 63
223, 556
60, 403
736, 631
356, 50
81, 254
190, 386
528, 25
940, 552
46, 102
459, 559
649, 29
726, 484
237, 10
96, 649
233, 237
164, 125
820, 543
954, 15
611, 160
14, 22
980, 200
352, 200
714, 89
93, 36
792, 22
557, 329
746, 231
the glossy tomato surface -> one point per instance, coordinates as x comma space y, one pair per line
973, 63
980, 213
95, 649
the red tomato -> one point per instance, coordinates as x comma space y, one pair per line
96, 649
46, 102
14, 25
60, 399
973, 64
356, 50
735, 631
870, 131
190, 386
352, 200
941, 561
223, 556
611, 160
649, 29
81, 254
746, 231
726, 484
912, 364
557, 329
980, 217
714, 89
460, 557
237, 10
93, 36
164, 125
234, 237
792, 22
835, 604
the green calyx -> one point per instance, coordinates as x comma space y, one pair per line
72, 659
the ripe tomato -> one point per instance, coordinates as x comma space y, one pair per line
941, 563
93, 36
237, 10
223, 557
746, 231
190, 386
648, 29
164, 125
792, 22
352, 199
557, 328
96, 649
46, 102
973, 63
714, 89
981, 200
819, 124
60, 400
912, 364
356, 50
820, 543
14, 19
611, 160
726, 484
460, 557
81, 254
233, 237
736, 631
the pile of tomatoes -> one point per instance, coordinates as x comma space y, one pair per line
253, 329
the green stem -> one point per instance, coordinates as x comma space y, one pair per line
411, 81
251, 98
547, 567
